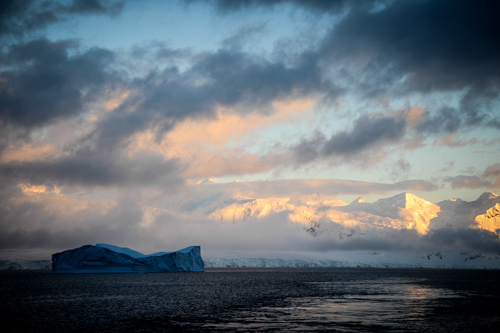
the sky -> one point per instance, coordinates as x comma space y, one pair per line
110, 109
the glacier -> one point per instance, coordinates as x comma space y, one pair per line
366, 259
10, 265
105, 258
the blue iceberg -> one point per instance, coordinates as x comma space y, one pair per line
105, 258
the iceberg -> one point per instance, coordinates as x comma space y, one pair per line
104, 258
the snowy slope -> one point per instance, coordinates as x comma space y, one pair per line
489, 220
239, 211
456, 213
402, 211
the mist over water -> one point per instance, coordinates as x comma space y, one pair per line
253, 299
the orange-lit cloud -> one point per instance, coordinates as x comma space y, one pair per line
29, 189
115, 101
26, 152
201, 144
54, 208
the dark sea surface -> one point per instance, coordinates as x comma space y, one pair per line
253, 299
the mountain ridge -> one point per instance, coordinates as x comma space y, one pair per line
401, 211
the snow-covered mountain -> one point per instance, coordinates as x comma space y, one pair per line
244, 209
489, 220
456, 213
402, 211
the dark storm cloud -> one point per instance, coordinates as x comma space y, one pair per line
467, 182
109, 7
473, 239
234, 77
435, 45
10, 134
43, 81
19, 17
439, 45
95, 168
169, 54
446, 120
425, 46
397, 240
444, 239
238, 39
368, 131
329, 6
316, 5
471, 113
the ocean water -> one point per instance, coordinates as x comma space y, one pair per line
253, 299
